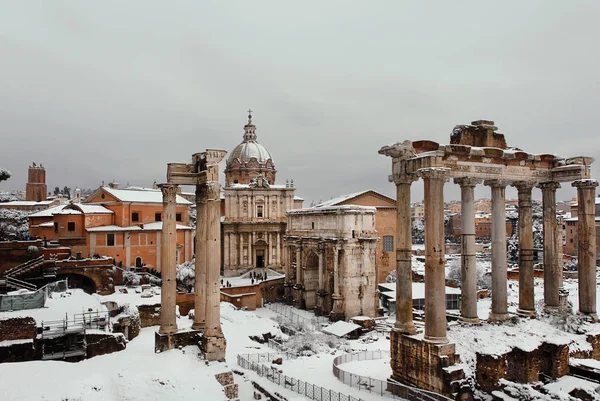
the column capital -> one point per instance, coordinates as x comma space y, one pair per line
433, 173
467, 181
588, 183
403, 178
213, 189
524, 186
169, 191
549, 186
496, 183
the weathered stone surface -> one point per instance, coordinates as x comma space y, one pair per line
166, 341
229, 387
19, 352
101, 344
149, 315
19, 328
421, 363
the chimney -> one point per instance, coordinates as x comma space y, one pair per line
113, 185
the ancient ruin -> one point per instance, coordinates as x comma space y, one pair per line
333, 252
203, 173
478, 154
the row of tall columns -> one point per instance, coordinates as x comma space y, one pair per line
201, 261
499, 310
213, 262
552, 267
404, 313
526, 298
168, 322
435, 273
586, 251
468, 303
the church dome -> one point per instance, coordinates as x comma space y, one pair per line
249, 159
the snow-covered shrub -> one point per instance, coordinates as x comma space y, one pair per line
314, 342
130, 278
13, 222
186, 274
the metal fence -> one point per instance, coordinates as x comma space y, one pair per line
383, 387
293, 315
255, 363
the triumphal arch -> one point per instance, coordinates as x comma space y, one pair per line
203, 173
476, 155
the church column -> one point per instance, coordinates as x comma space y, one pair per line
226, 239
468, 288
586, 248
499, 310
267, 260
168, 322
213, 340
435, 277
404, 306
526, 298
250, 256
552, 273
200, 265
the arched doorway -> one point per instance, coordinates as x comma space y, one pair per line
138, 262
260, 254
79, 281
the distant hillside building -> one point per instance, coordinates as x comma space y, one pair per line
36, 189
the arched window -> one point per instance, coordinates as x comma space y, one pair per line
259, 211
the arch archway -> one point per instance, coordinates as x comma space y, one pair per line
79, 281
311, 279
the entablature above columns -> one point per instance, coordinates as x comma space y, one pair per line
467, 181
496, 183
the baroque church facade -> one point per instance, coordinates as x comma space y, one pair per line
255, 207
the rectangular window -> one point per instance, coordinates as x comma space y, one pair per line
71, 226
388, 243
259, 211
135, 216
55, 227
157, 217
178, 217
110, 239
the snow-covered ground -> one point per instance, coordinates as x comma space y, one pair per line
137, 373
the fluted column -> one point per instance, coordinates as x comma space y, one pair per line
404, 306
336, 263
499, 282
435, 277
552, 271
200, 266
468, 288
526, 297
586, 249
168, 323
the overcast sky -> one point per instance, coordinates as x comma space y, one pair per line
109, 90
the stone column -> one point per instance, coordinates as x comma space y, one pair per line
226, 258
586, 249
200, 267
526, 298
435, 274
168, 292
499, 282
250, 255
321, 292
337, 312
404, 306
321, 249
299, 264
213, 341
552, 272
468, 288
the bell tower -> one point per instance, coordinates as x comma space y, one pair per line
36, 189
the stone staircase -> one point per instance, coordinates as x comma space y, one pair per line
12, 278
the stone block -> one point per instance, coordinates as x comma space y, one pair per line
213, 347
423, 364
101, 344
165, 342
149, 315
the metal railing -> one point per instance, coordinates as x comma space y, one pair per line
383, 387
257, 363
293, 315
23, 266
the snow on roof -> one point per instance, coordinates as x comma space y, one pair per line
47, 224
93, 209
298, 198
340, 328
247, 186
566, 384
339, 199
26, 203
68, 211
334, 210
156, 226
145, 195
48, 212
